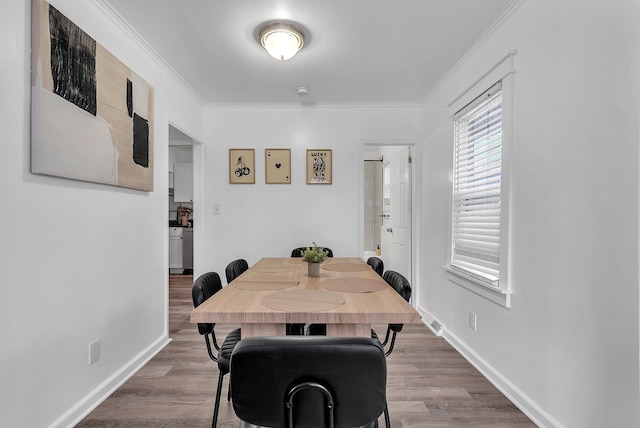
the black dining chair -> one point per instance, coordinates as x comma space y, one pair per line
376, 264
309, 382
399, 283
297, 252
235, 269
204, 287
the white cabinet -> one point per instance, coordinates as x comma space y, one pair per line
175, 248
182, 182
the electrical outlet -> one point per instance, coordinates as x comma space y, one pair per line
94, 351
473, 321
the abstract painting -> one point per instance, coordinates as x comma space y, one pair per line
91, 116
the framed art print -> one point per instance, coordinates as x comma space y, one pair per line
319, 166
277, 166
242, 166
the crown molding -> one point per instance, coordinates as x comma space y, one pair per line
495, 25
119, 20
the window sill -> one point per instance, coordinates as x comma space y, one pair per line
497, 295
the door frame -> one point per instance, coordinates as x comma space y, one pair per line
415, 150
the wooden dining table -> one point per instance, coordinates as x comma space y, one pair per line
348, 297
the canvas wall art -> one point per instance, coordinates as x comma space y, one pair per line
91, 116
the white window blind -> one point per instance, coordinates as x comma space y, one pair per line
476, 187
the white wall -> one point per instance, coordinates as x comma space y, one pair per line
567, 349
80, 261
260, 220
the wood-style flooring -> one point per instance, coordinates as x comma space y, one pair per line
429, 383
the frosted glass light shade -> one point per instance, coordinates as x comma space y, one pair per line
282, 41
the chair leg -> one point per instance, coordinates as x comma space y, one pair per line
387, 419
386, 337
390, 348
216, 405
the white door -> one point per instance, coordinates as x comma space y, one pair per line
400, 208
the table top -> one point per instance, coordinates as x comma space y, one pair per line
279, 290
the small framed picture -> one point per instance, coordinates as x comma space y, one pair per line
277, 166
242, 169
319, 166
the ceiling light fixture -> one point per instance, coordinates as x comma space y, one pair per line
282, 40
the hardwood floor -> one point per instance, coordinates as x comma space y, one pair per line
429, 383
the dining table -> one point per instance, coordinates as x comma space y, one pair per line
348, 296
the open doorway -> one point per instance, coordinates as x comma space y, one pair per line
388, 207
180, 212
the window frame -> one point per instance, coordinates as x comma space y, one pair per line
499, 293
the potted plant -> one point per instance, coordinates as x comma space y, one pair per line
183, 213
314, 256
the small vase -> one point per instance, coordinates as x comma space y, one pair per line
314, 269
185, 220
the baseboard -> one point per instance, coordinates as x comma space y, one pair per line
78, 412
515, 395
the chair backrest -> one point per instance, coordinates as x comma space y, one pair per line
399, 283
205, 286
297, 252
235, 269
266, 372
377, 264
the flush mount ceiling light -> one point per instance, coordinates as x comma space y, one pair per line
281, 39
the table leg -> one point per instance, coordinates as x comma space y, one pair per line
349, 330
259, 329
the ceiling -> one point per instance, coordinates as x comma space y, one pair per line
356, 51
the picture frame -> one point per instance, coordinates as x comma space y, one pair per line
277, 166
319, 166
242, 166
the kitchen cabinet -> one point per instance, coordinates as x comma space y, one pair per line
183, 182
175, 248
187, 248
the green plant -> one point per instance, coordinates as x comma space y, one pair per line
314, 254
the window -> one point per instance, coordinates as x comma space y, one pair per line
386, 185
477, 173
478, 248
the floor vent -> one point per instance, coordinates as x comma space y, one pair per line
436, 328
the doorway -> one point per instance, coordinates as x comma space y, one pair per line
388, 206
180, 202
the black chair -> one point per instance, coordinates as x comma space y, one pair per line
309, 382
297, 252
235, 269
377, 264
399, 283
204, 287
